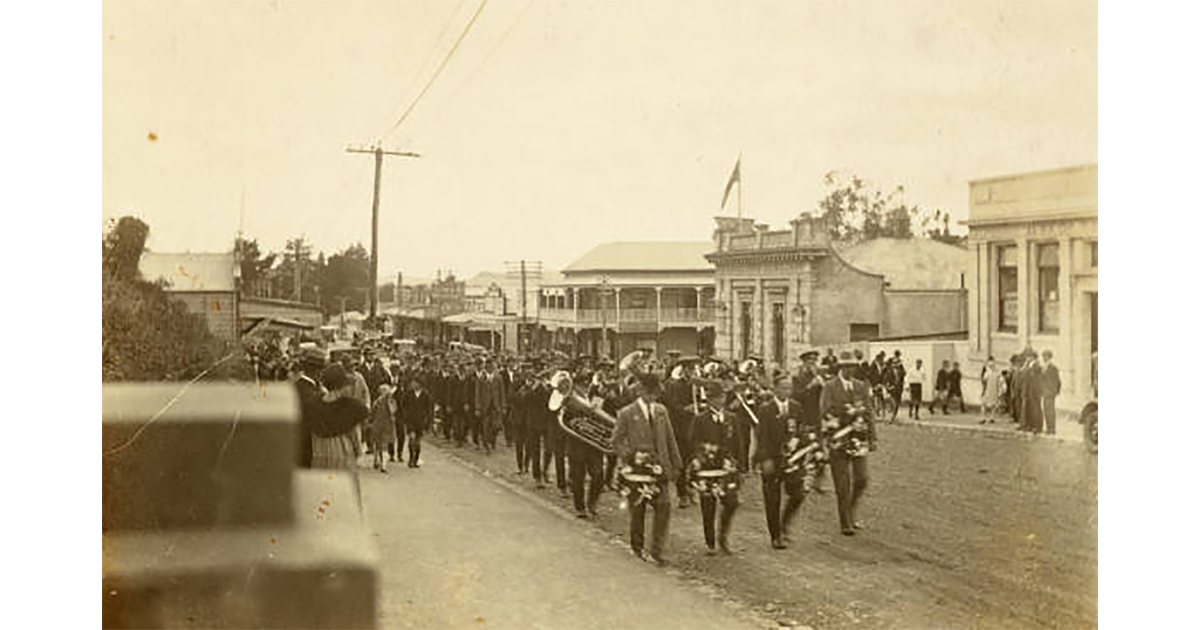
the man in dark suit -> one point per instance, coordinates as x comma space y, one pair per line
677, 396
644, 426
1051, 387
537, 415
778, 420
417, 412
849, 471
311, 363
1031, 384
470, 424
489, 405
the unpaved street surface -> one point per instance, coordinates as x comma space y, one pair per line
459, 550
964, 530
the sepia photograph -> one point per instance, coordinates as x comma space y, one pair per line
505, 314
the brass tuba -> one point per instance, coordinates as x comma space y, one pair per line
579, 418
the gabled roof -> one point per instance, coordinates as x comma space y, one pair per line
645, 256
189, 272
911, 263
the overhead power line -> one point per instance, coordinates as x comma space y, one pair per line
428, 57
462, 36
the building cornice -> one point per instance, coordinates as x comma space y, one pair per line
761, 256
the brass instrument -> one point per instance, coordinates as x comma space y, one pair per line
589, 424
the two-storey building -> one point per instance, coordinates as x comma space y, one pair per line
620, 297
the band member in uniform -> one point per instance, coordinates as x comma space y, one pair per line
806, 388
778, 420
677, 397
713, 437
849, 468
644, 428
585, 460
556, 450
743, 423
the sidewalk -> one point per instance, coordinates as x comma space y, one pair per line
1069, 430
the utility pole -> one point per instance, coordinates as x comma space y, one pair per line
524, 270
299, 251
604, 282
379, 152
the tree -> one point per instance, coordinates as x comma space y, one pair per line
122, 248
855, 211
346, 274
253, 264
147, 336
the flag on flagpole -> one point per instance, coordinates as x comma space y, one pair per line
734, 178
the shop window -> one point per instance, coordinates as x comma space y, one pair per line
1006, 282
745, 329
1047, 263
777, 334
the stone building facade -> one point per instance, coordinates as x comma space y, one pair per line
780, 293
1034, 275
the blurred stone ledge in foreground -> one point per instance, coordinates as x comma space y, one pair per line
207, 522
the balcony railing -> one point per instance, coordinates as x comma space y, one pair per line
628, 315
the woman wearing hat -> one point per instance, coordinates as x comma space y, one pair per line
334, 429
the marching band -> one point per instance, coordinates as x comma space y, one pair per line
618, 427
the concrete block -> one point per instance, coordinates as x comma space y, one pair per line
317, 571
205, 456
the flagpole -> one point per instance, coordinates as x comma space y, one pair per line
739, 187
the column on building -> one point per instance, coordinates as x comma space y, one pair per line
1067, 363
658, 308
1025, 306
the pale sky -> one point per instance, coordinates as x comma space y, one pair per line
560, 125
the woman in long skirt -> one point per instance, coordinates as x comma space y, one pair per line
341, 414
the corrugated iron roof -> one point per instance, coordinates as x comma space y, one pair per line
189, 272
645, 256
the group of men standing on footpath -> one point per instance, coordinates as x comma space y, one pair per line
1033, 388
